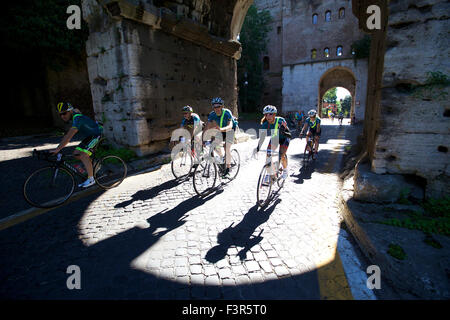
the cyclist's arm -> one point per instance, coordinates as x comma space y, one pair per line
304, 127
228, 127
65, 140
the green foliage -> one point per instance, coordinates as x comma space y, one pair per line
253, 38
330, 96
107, 150
404, 193
429, 240
361, 47
347, 105
396, 251
438, 207
432, 89
41, 25
435, 219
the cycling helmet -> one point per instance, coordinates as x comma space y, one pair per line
64, 107
269, 109
187, 109
217, 100
312, 113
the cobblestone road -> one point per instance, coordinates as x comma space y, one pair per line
153, 238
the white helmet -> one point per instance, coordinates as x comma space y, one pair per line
312, 113
269, 109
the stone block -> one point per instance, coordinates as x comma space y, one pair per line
386, 188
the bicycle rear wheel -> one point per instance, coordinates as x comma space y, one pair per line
182, 164
48, 187
110, 171
205, 176
235, 164
264, 187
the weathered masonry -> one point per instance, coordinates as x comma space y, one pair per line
147, 59
309, 52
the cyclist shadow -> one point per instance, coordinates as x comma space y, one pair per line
241, 235
304, 173
150, 193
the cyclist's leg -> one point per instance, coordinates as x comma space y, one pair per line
229, 139
84, 151
316, 142
308, 137
284, 145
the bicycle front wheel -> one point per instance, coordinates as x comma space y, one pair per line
110, 171
182, 164
205, 176
48, 187
264, 187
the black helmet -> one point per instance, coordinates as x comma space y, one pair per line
62, 107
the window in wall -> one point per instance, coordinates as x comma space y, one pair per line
326, 52
313, 53
266, 63
328, 16
339, 51
341, 13
314, 18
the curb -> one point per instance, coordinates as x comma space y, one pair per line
407, 276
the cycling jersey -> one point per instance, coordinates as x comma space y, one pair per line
86, 126
194, 121
312, 125
223, 119
279, 127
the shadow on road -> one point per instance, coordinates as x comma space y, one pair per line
242, 234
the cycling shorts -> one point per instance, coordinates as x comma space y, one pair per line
88, 144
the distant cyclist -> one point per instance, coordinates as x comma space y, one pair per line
278, 126
314, 130
192, 122
340, 117
299, 117
89, 129
222, 119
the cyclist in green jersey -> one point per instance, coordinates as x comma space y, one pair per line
314, 130
91, 132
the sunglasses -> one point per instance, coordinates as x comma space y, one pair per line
217, 106
270, 114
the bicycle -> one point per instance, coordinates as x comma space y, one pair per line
205, 174
183, 162
53, 185
271, 173
310, 150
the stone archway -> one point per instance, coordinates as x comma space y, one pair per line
146, 60
337, 77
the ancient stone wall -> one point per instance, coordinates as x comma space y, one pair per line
413, 126
144, 70
301, 84
294, 72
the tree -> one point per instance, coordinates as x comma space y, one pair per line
347, 105
330, 96
40, 26
253, 38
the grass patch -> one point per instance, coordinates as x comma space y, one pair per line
396, 251
435, 218
107, 150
